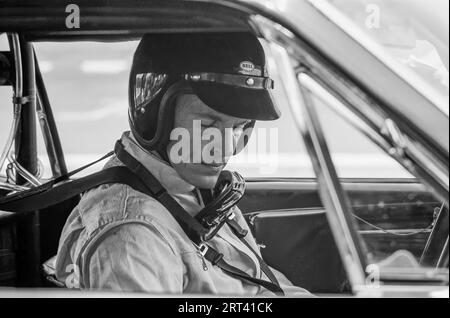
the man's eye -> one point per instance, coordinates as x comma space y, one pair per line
207, 124
241, 126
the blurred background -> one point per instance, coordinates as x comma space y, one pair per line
87, 84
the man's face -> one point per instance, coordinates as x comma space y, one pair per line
213, 137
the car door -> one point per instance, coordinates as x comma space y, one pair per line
394, 212
285, 212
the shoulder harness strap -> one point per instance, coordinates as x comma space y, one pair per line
140, 179
194, 229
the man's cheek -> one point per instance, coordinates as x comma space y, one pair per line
211, 150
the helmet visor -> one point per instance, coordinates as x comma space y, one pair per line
147, 87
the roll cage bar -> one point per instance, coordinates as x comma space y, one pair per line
30, 98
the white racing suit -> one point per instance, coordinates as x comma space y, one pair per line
123, 240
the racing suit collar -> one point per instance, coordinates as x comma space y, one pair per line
161, 170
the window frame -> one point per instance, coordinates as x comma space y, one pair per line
375, 120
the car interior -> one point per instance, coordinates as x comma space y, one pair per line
285, 216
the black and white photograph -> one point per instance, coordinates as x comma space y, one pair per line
226, 155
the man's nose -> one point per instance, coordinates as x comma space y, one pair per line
229, 144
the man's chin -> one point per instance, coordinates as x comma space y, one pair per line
200, 175
204, 182
203, 179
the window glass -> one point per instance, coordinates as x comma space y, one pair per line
415, 33
6, 119
395, 218
276, 148
356, 159
353, 154
87, 84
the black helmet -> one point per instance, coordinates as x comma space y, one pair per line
227, 71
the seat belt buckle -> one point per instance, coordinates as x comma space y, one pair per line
214, 257
203, 248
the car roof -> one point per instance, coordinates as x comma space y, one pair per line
118, 20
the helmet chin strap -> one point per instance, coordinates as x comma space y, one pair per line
227, 192
166, 112
160, 139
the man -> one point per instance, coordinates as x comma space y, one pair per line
121, 239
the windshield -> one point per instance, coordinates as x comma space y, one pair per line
412, 33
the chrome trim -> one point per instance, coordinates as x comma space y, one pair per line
286, 213
11, 187
442, 260
48, 126
349, 186
404, 232
34, 181
392, 131
48, 137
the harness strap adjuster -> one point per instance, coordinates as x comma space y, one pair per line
236, 228
203, 248
210, 254
23, 100
160, 193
